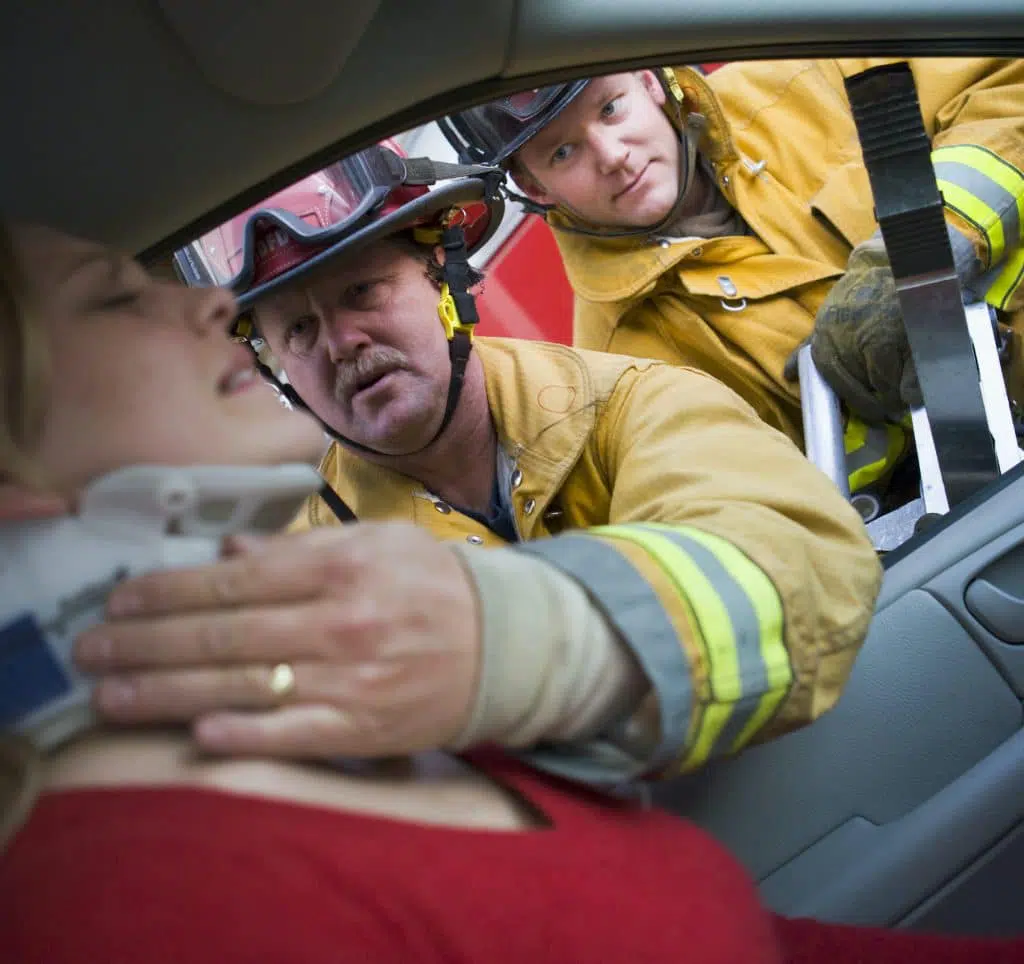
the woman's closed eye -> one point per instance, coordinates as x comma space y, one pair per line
122, 288
126, 298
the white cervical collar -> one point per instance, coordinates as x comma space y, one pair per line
56, 574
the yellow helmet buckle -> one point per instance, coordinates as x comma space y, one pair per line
449, 315
243, 329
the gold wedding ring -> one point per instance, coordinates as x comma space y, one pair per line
282, 681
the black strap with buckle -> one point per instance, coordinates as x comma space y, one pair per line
909, 209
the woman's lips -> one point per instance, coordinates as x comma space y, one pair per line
238, 381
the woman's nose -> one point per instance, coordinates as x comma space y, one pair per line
213, 308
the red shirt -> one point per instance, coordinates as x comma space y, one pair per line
194, 875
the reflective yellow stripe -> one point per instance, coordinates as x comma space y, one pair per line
871, 450
719, 637
1007, 282
715, 630
985, 190
991, 165
633, 594
765, 601
856, 434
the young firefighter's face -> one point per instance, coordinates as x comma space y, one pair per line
612, 156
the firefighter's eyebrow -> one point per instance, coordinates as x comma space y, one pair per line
551, 136
603, 89
598, 91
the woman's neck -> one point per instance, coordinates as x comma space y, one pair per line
432, 788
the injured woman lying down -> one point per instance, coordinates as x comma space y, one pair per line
122, 394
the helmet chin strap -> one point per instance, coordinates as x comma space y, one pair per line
457, 312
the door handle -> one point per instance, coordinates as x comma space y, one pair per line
999, 610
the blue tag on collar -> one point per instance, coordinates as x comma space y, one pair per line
30, 674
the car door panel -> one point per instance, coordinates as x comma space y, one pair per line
984, 898
893, 807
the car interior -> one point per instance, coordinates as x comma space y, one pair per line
143, 123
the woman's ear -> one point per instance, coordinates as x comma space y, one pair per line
19, 504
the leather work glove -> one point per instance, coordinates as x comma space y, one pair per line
859, 343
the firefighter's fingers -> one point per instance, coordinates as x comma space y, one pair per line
263, 634
791, 369
179, 696
858, 397
286, 568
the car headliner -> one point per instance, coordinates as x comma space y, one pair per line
140, 122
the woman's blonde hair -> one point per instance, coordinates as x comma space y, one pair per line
23, 358
23, 380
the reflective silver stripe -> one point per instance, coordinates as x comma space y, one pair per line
875, 449
597, 762
979, 198
1001, 201
747, 630
635, 610
1005, 280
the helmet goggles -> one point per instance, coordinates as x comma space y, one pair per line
321, 209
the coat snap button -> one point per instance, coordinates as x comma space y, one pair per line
474, 540
517, 478
728, 288
443, 507
530, 505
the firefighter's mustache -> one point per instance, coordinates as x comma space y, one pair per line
364, 369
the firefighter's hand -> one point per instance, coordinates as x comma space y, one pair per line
859, 343
360, 640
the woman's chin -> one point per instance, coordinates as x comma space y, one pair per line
289, 437
308, 448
